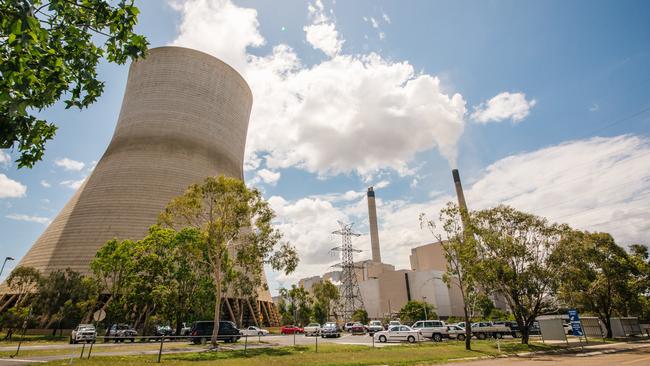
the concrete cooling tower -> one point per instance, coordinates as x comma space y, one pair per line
184, 117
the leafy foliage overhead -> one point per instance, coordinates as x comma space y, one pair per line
49, 49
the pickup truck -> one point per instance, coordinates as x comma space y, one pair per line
434, 329
483, 330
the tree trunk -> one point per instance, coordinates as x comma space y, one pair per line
468, 331
525, 335
217, 305
608, 326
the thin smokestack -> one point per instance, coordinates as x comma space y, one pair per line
459, 190
374, 233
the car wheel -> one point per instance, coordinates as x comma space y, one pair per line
382, 339
411, 339
461, 337
498, 335
437, 338
480, 336
71, 340
132, 340
260, 334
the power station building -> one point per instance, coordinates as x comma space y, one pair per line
184, 117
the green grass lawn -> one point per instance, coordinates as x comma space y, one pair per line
32, 339
328, 354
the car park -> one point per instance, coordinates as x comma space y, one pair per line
83, 333
312, 329
120, 333
399, 333
330, 330
434, 329
291, 329
375, 326
202, 331
254, 331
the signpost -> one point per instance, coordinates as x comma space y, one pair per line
576, 325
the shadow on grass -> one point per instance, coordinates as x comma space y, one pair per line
228, 354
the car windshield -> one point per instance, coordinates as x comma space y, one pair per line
313, 325
375, 322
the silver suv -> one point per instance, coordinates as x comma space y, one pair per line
434, 329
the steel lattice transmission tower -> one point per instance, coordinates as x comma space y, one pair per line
350, 292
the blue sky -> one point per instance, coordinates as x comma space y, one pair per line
541, 105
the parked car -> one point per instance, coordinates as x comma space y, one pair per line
568, 329
83, 333
358, 328
461, 324
291, 329
348, 326
163, 331
120, 333
375, 326
456, 332
312, 329
185, 330
254, 331
330, 330
434, 329
483, 330
393, 323
399, 333
201, 331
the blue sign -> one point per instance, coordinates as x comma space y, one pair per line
576, 326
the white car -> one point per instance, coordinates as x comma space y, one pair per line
312, 329
399, 333
83, 333
393, 323
254, 331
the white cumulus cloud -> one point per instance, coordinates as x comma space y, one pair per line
268, 176
28, 218
73, 184
322, 33
596, 184
349, 113
45, 184
5, 159
10, 188
504, 106
69, 164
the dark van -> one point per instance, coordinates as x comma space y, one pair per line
201, 331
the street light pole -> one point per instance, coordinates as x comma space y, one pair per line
5, 262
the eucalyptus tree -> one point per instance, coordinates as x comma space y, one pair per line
231, 218
597, 275
327, 296
459, 247
23, 281
50, 49
514, 259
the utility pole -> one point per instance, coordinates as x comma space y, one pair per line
352, 299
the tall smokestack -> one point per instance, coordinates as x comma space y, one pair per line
459, 190
374, 233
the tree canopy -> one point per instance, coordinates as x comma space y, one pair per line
235, 224
50, 50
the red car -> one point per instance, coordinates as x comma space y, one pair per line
358, 328
291, 329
